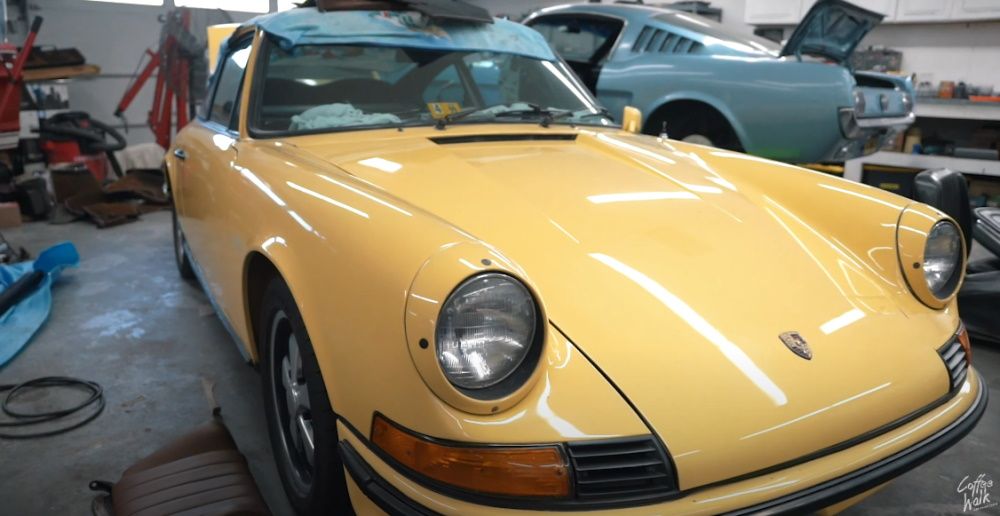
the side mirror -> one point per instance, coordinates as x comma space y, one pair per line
632, 120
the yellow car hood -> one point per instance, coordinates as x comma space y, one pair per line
675, 268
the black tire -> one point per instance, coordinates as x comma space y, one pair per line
315, 486
180, 255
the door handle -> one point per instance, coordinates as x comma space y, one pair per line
180, 154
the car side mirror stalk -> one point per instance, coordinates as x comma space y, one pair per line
632, 120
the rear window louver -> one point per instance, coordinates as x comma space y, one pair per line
953, 355
658, 40
621, 470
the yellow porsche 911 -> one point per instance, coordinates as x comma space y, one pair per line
470, 291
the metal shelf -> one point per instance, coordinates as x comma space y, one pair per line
979, 167
956, 109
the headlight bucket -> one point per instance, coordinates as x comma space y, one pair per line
446, 273
931, 251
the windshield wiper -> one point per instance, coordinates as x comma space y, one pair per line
456, 116
548, 115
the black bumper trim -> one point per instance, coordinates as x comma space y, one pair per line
383, 494
875, 474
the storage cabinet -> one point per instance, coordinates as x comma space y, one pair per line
886, 7
975, 9
774, 12
923, 10
790, 12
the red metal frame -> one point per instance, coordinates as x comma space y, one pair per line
12, 76
172, 69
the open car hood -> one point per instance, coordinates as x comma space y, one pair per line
831, 29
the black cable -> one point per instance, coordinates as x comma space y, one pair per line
26, 419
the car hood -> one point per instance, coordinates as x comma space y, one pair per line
675, 268
832, 29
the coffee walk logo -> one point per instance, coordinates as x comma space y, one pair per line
976, 493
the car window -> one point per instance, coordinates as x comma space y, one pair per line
312, 88
580, 39
225, 103
447, 86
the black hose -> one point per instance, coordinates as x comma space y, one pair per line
26, 419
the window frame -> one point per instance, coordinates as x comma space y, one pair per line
605, 18
205, 117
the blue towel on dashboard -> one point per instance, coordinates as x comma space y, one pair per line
20, 323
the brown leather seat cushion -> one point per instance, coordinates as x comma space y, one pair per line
201, 473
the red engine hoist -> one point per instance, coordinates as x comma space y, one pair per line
172, 65
11, 75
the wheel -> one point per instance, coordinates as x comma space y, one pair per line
180, 255
300, 420
699, 139
695, 124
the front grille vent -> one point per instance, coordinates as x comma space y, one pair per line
957, 363
629, 469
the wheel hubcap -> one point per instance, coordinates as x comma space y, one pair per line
291, 399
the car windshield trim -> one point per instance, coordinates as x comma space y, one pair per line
592, 114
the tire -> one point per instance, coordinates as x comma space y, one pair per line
180, 255
695, 126
296, 403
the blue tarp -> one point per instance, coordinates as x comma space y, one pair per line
20, 323
307, 26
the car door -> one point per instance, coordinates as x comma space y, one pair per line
585, 41
206, 152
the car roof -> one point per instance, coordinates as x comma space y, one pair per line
404, 29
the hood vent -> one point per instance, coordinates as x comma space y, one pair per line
490, 138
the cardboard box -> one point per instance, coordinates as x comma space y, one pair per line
10, 215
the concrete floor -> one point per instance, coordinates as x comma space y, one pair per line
125, 320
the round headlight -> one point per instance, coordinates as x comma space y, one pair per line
942, 259
485, 330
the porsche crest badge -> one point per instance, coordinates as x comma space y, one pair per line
794, 341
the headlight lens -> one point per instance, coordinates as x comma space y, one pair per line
942, 258
859, 103
485, 330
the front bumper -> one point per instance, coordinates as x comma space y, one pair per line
893, 453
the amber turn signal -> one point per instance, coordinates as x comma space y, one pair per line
963, 337
515, 471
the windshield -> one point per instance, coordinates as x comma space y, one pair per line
322, 88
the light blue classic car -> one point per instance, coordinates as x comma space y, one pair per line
697, 81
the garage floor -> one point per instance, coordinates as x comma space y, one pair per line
125, 320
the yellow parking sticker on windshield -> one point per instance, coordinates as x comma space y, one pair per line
442, 109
